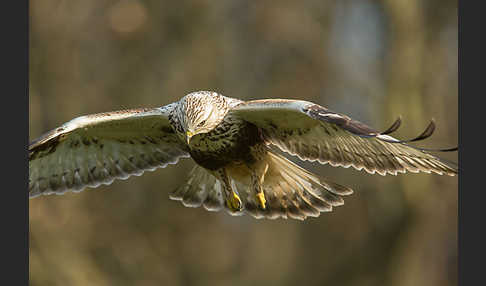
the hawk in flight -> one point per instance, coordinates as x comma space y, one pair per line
230, 140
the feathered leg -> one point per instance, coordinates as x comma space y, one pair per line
233, 201
256, 185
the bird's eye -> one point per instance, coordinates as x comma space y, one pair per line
201, 123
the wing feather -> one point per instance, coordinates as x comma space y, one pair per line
99, 148
315, 133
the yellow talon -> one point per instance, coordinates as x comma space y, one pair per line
261, 199
234, 202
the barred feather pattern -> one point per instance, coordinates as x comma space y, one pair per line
201, 189
341, 148
97, 149
314, 133
290, 192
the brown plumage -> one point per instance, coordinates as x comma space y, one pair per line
230, 142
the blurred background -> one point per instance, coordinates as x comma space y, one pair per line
373, 60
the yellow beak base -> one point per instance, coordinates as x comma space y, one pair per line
189, 134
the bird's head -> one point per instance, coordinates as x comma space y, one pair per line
201, 112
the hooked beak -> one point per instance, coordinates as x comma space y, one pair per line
189, 134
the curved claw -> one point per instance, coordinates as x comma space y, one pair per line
234, 203
261, 200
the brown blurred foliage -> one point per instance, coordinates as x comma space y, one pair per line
372, 60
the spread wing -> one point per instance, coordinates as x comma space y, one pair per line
96, 149
313, 132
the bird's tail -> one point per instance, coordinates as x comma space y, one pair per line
201, 189
293, 192
290, 191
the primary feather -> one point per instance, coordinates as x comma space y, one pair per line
229, 141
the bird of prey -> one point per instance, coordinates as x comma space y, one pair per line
231, 142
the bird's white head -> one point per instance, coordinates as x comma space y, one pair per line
201, 111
